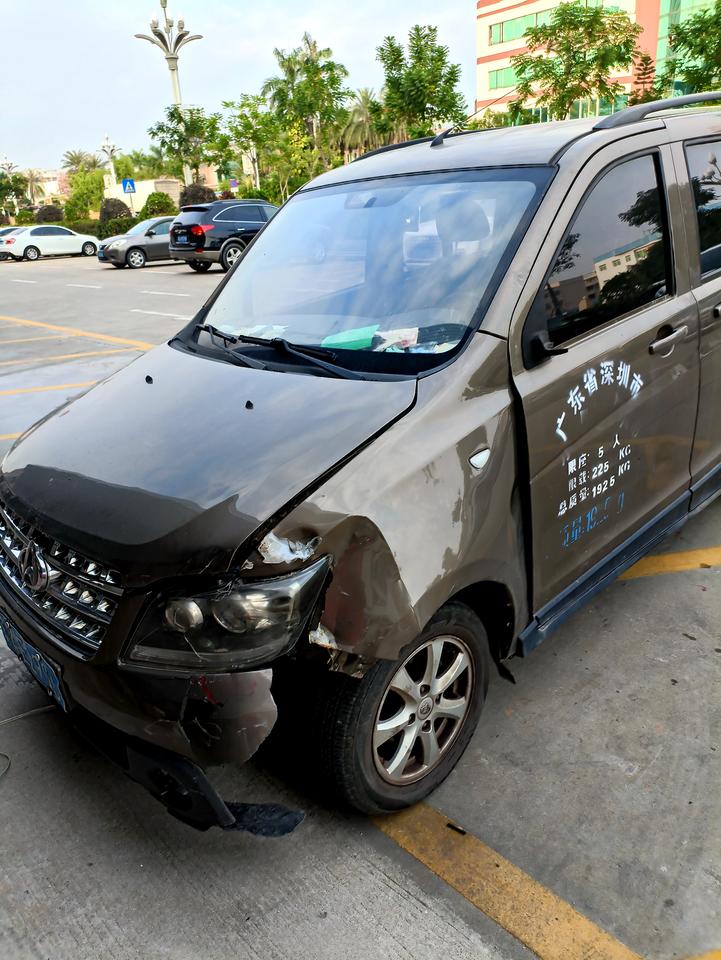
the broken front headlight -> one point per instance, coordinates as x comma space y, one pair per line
242, 624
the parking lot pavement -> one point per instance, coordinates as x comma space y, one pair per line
66, 323
585, 815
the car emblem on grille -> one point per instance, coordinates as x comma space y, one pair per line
34, 570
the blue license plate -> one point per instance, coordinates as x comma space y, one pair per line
181, 238
45, 671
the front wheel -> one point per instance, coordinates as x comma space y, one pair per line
32, 253
135, 258
89, 249
231, 254
394, 736
200, 266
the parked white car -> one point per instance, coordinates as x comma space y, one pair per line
31, 243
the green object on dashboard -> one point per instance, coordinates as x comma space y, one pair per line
359, 339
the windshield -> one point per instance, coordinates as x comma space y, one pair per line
140, 227
382, 270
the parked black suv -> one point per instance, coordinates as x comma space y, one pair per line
217, 232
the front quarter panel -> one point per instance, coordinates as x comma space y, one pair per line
409, 522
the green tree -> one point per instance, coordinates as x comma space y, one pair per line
253, 128
573, 55
74, 160
309, 89
157, 204
360, 132
124, 167
87, 191
111, 208
644, 80
289, 160
695, 46
35, 188
190, 136
420, 89
13, 187
49, 213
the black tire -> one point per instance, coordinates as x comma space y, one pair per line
230, 253
119, 266
135, 258
32, 253
89, 249
200, 266
350, 709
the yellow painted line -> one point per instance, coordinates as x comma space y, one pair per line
140, 344
68, 356
56, 386
50, 336
547, 925
674, 563
9, 436
712, 955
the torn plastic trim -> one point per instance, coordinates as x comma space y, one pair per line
275, 549
182, 786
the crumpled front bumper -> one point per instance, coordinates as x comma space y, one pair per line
208, 719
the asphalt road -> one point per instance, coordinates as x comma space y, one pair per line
590, 797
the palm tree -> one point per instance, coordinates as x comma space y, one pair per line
279, 91
35, 186
93, 162
359, 133
75, 160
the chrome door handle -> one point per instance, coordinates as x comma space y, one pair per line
664, 345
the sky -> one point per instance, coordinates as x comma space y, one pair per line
73, 72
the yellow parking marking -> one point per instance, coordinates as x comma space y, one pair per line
56, 386
68, 356
713, 955
674, 563
547, 925
50, 336
9, 436
75, 332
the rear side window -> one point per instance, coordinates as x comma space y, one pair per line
197, 214
614, 259
704, 168
161, 229
240, 214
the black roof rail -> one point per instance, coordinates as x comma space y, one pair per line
641, 110
391, 146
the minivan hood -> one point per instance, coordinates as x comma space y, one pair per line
168, 466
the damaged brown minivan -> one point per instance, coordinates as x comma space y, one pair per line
448, 393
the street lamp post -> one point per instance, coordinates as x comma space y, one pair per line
9, 168
111, 151
171, 42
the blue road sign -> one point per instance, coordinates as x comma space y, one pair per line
128, 185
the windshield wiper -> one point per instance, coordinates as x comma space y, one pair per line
242, 359
313, 354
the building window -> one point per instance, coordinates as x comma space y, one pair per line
616, 263
517, 27
506, 77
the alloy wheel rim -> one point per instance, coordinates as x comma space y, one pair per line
422, 710
88, 249
136, 259
232, 255
32, 254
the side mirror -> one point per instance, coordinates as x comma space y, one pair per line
150, 233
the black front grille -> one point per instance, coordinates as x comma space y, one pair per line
80, 597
